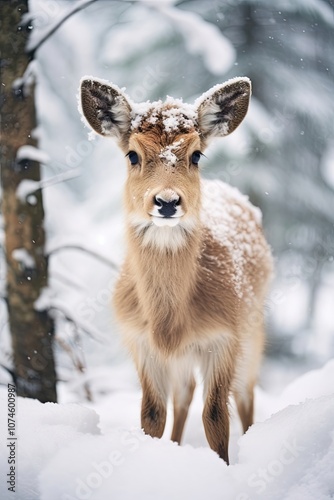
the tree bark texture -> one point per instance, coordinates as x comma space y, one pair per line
32, 331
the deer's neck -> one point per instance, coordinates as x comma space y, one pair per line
165, 280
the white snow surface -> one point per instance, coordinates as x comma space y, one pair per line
69, 451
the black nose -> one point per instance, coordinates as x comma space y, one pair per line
166, 208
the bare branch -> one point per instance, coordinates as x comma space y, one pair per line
101, 258
69, 282
80, 5
77, 363
90, 330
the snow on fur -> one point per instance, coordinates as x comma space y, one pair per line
218, 87
173, 112
232, 220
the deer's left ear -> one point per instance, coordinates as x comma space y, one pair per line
222, 109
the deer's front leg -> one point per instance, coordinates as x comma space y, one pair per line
155, 385
153, 410
217, 362
216, 417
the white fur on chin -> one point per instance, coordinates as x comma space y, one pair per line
171, 236
166, 221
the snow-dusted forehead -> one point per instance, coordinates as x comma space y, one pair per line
173, 115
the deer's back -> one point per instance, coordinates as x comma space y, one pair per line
235, 262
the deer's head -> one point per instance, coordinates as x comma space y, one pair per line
163, 143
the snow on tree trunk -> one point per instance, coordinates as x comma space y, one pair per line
27, 267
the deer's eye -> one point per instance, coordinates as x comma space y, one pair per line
195, 157
133, 157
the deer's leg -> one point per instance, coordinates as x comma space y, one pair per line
183, 395
245, 406
218, 369
216, 417
246, 373
154, 381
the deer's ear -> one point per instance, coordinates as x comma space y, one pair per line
222, 109
105, 108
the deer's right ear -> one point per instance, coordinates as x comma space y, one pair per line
105, 108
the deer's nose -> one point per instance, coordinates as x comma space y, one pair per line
167, 208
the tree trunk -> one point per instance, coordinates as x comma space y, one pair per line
32, 331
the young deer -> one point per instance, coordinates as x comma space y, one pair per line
192, 288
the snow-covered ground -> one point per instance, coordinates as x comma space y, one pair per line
97, 450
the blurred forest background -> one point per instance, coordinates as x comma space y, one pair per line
282, 157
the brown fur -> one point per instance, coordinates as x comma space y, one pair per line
183, 297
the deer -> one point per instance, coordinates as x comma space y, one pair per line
190, 297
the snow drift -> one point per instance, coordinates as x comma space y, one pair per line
65, 453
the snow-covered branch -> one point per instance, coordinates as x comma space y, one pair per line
32, 153
28, 186
201, 37
21, 86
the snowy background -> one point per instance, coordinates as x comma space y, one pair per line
282, 157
